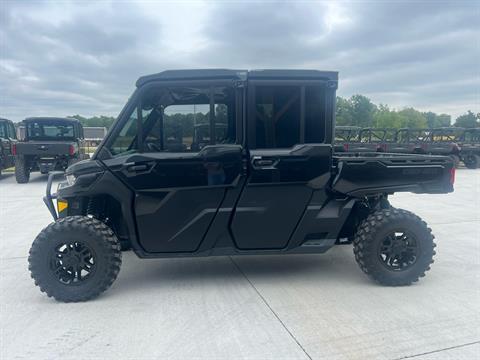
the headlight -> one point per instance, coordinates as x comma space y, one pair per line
71, 179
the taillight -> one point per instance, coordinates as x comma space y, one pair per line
14, 149
345, 147
71, 150
452, 175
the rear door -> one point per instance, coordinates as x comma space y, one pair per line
289, 137
181, 176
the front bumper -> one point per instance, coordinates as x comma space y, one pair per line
49, 197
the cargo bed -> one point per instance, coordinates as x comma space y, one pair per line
363, 174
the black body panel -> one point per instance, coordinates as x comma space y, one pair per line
387, 173
238, 195
178, 194
262, 218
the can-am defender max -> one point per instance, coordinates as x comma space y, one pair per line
268, 184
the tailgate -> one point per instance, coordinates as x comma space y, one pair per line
387, 173
43, 148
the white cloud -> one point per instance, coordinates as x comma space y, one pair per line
62, 58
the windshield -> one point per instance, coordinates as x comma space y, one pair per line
49, 130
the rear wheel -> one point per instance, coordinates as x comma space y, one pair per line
75, 259
394, 247
22, 172
472, 161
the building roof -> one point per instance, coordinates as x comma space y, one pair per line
217, 74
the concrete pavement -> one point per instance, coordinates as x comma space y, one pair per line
259, 307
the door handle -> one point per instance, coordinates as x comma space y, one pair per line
259, 163
137, 168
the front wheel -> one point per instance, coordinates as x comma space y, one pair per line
75, 259
394, 247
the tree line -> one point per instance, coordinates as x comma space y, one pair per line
359, 110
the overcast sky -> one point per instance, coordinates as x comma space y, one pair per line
62, 58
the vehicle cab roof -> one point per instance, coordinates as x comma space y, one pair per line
50, 119
240, 75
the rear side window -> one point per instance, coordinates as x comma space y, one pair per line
284, 116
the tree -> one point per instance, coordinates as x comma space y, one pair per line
435, 120
344, 112
98, 121
363, 110
386, 118
444, 120
468, 120
412, 118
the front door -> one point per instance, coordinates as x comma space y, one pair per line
289, 131
7, 139
190, 159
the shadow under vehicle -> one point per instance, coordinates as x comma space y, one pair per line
8, 139
49, 144
469, 142
270, 184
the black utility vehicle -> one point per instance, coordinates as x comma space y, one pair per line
269, 185
469, 142
49, 144
8, 138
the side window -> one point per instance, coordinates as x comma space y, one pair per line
183, 122
13, 134
277, 116
126, 138
3, 130
280, 121
315, 114
178, 120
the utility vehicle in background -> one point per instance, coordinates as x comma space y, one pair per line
270, 184
344, 136
469, 142
8, 139
49, 144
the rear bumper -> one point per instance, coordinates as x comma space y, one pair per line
45, 166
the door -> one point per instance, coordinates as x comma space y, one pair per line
181, 165
7, 139
290, 134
